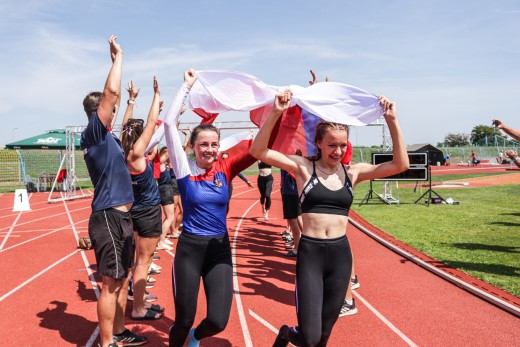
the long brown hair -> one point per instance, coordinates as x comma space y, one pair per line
130, 134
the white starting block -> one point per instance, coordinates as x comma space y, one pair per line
21, 201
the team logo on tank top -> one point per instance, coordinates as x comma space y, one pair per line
217, 182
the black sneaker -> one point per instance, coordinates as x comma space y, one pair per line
128, 338
354, 283
282, 338
348, 310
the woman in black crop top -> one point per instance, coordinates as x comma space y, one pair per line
265, 182
325, 187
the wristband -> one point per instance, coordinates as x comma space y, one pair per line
130, 101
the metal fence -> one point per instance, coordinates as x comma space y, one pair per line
16, 166
21, 165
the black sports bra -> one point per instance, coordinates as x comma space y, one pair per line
316, 198
262, 165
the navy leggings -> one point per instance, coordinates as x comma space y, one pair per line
323, 270
209, 258
265, 186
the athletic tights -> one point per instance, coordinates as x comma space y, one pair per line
209, 258
265, 186
323, 269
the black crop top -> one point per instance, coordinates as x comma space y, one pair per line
316, 198
262, 165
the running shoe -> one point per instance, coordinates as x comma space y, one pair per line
282, 337
156, 257
168, 242
354, 283
193, 341
174, 235
149, 285
128, 338
155, 266
164, 246
150, 279
348, 310
291, 254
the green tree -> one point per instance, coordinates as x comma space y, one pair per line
480, 132
456, 140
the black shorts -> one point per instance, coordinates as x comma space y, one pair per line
112, 236
147, 221
175, 187
291, 206
166, 192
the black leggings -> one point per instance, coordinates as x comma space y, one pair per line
265, 186
209, 258
323, 270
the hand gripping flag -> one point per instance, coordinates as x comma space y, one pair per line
221, 91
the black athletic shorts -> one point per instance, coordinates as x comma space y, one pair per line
175, 187
291, 206
112, 236
166, 192
148, 221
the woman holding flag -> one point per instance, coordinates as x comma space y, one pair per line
325, 185
203, 250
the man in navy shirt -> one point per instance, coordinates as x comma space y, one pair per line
110, 225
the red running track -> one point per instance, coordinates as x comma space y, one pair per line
48, 289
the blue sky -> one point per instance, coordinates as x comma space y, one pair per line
449, 65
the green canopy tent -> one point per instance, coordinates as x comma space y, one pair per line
40, 165
52, 139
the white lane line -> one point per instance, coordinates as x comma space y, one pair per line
40, 236
236, 287
385, 320
6, 295
10, 231
264, 322
50, 207
47, 217
91, 277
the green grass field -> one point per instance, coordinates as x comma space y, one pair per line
480, 236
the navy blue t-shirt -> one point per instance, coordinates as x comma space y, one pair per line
106, 166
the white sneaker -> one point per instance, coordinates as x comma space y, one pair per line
155, 267
168, 242
355, 283
348, 310
164, 246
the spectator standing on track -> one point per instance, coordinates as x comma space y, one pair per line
265, 184
203, 249
146, 211
291, 209
324, 258
110, 224
164, 182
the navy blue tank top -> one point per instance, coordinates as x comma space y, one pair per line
316, 198
165, 177
146, 192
